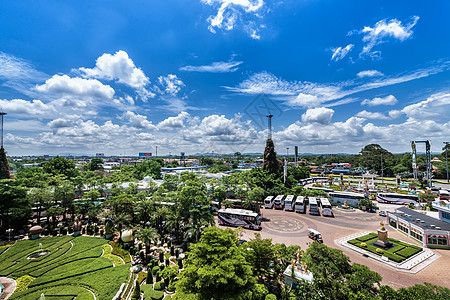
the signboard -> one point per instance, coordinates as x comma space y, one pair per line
145, 154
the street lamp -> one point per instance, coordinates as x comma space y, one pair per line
446, 156
287, 151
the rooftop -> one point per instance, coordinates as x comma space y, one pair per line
426, 222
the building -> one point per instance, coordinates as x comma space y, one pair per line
443, 207
431, 232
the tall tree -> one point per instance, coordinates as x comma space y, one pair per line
15, 207
216, 268
4, 165
372, 156
147, 235
270, 163
60, 165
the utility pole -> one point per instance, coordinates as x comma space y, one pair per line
156, 151
270, 126
382, 180
287, 152
446, 151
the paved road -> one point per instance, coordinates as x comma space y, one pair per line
291, 228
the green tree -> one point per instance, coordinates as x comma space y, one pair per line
41, 199
372, 155
260, 253
94, 165
216, 268
4, 165
270, 163
147, 235
15, 206
60, 165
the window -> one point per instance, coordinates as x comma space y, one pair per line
393, 222
446, 215
416, 234
403, 227
437, 240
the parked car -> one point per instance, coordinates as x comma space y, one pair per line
382, 213
315, 235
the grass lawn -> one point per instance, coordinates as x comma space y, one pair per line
74, 267
399, 253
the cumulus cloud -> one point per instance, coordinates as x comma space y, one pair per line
119, 67
394, 114
318, 115
437, 106
230, 12
215, 67
170, 84
388, 100
138, 121
384, 30
174, 122
305, 100
371, 115
24, 107
339, 53
64, 85
369, 73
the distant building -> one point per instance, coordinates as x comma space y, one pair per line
100, 155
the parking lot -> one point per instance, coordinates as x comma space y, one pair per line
291, 228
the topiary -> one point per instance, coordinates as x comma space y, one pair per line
167, 262
136, 292
156, 295
180, 263
271, 297
155, 270
363, 244
161, 267
158, 276
159, 286
149, 279
172, 251
161, 256
177, 252
379, 250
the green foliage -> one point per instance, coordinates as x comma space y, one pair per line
23, 283
119, 251
159, 286
155, 270
136, 292
150, 293
270, 297
271, 162
216, 268
94, 165
61, 166
4, 165
15, 206
260, 253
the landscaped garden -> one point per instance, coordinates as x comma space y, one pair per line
398, 253
74, 267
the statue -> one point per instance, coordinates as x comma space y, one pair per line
345, 203
382, 241
382, 226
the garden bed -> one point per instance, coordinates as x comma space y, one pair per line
400, 252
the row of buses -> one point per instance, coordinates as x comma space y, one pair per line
299, 204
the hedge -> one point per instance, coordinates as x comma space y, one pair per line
408, 252
271, 297
150, 293
367, 237
159, 286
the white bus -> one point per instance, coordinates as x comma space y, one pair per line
313, 206
300, 205
444, 195
239, 218
279, 202
268, 202
340, 198
289, 203
394, 198
326, 207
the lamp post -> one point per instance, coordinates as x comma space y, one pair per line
287, 152
446, 156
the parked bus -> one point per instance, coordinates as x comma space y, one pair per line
215, 206
239, 218
444, 195
394, 198
326, 207
300, 205
289, 203
351, 198
313, 206
279, 202
237, 203
268, 202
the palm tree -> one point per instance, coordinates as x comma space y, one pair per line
174, 222
145, 209
147, 235
121, 220
160, 215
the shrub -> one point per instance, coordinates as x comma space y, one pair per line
155, 270
167, 262
149, 279
23, 282
159, 286
172, 286
177, 252
408, 251
161, 256
271, 297
394, 257
169, 244
136, 292
158, 276
380, 250
180, 263
363, 244
172, 251
157, 295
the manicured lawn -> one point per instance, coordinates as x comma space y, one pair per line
399, 253
73, 268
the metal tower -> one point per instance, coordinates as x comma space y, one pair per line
2, 114
427, 163
270, 126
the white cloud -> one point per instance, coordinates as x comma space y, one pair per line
305, 100
320, 115
437, 106
339, 53
138, 121
24, 107
369, 73
384, 30
170, 84
388, 100
14, 68
117, 67
215, 67
394, 114
229, 12
174, 122
371, 115
64, 85
266, 83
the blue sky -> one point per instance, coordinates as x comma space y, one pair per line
122, 77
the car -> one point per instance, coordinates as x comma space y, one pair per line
382, 213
